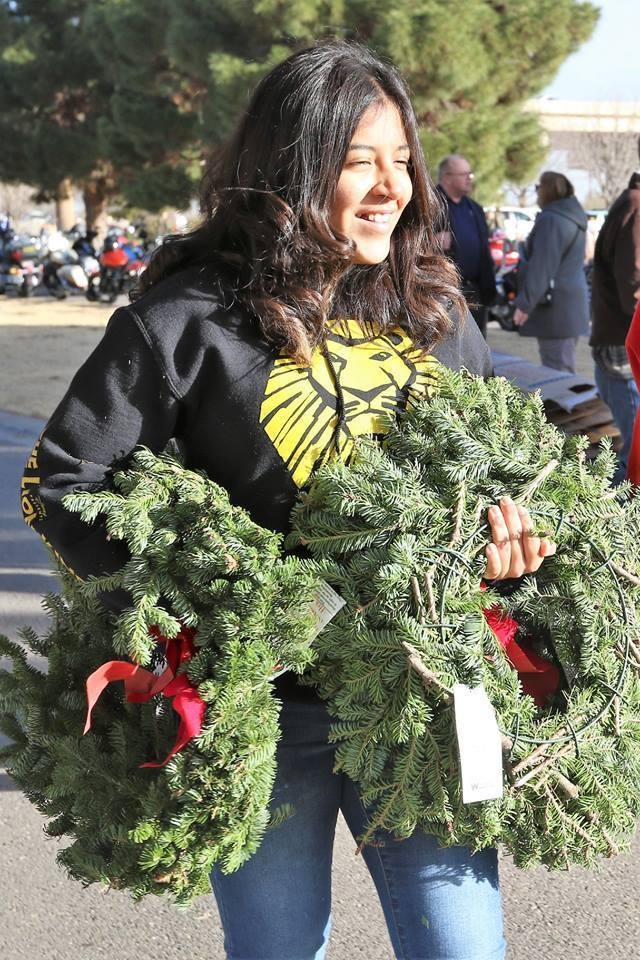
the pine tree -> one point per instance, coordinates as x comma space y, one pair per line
128, 97
50, 95
88, 97
470, 67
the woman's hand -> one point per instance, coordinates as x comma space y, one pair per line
515, 550
520, 317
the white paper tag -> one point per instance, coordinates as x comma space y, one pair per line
479, 744
324, 606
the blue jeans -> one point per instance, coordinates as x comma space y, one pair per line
439, 903
623, 399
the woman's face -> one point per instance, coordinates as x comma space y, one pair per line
374, 186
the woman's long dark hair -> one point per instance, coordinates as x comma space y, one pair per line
554, 186
266, 199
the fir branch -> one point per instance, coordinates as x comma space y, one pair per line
617, 568
459, 514
427, 676
428, 583
537, 481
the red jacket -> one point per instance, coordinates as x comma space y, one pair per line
633, 349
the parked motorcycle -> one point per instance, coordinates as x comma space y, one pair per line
120, 265
64, 273
20, 271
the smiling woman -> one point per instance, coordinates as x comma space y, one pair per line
288, 238
312, 303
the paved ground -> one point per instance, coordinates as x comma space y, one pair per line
44, 916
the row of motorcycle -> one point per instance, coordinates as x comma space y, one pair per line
73, 266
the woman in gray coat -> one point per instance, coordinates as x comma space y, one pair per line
552, 302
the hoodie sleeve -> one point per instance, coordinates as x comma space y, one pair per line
465, 347
120, 398
546, 247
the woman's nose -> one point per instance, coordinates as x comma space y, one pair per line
390, 184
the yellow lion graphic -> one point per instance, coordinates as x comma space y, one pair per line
378, 374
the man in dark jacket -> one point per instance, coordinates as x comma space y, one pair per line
615, 282
465, 238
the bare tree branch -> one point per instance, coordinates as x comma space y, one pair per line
15, 199
609, 157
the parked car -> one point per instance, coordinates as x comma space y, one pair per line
504, 253
509, 227
595, 219
515, 222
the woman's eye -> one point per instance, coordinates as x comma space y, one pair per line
369, 163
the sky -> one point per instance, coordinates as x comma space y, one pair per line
606, 67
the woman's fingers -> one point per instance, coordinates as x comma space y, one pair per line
530, 543
506, 533
492, 571
535, 548
547, 547
501, 552
515, 549
514, 523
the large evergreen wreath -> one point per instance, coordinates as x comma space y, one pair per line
197, 562
400, 533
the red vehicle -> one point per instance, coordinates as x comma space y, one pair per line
114, 258
119, 268
503, 251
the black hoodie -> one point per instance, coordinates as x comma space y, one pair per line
179, 365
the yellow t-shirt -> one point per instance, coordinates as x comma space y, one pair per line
377, 374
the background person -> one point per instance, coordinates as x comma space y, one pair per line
552, 300
307, 304
465, 238
633, 350
615, 281
84, 244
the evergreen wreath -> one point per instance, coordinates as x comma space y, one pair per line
196, 562
399, 532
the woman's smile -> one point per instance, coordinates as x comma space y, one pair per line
376, 219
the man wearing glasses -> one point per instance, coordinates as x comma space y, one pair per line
465, 238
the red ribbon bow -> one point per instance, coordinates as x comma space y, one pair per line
539, 677
141, 685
